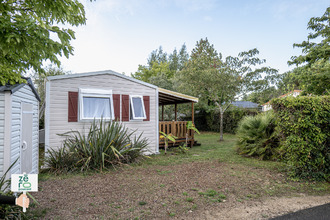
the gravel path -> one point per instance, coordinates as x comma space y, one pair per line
266, 209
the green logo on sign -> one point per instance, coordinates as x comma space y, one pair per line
23, 183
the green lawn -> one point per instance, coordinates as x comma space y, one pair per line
211, 149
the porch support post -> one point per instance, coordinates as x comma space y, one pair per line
175, 113
162, 112
193, 121
192, 112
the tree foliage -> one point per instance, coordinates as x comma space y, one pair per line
218, 82
312, 73
254, 75
263, 96
30, 34
312, 80
312, 51
156, 71
209, 78
162, 68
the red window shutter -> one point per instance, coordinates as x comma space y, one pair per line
73, 107
146, 100
125, 107
116, 106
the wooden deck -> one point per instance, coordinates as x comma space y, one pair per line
178, 129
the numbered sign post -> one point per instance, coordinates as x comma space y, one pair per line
24, 183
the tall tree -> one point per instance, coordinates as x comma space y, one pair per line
161, 67
156, 71
157, 56
210, 79
174, 60
217, 83
313, 68
25, 34
183, 57
254, 78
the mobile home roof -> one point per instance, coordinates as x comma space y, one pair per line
109, 72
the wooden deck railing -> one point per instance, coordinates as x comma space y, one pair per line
178, 129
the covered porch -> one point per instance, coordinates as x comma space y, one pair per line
175, 127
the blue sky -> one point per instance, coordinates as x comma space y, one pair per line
120, 34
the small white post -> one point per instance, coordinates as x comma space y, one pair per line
24, 206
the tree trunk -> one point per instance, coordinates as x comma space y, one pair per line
221, 125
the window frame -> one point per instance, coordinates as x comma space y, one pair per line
132, 108
95, 93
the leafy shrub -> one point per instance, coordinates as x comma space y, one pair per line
106, 144
305, 134
257, 136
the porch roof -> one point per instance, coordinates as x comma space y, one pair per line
167, 97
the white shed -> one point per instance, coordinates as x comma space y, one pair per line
19, 128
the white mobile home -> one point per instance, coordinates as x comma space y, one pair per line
73, 101
19, 128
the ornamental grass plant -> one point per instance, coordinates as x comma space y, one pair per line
107, 143
257, 137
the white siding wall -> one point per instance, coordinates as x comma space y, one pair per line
24, 94
2, 129
57, 106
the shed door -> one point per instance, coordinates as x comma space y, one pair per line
26, 141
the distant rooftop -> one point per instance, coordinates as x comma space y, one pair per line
293, 93
245, 104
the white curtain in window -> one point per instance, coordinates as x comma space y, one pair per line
137, 107
95, 107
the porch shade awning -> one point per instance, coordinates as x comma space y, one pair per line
167, 97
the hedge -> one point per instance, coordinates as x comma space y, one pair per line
303, 123
211, 121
